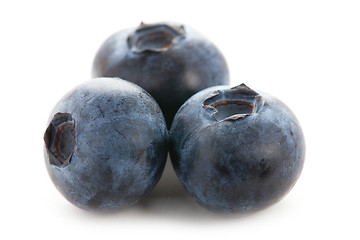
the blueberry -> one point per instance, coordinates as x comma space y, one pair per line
170, 61
235, 150
106, 144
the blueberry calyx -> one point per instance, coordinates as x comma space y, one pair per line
60, 139
234, 103
155, 37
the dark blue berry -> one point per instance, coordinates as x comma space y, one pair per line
170, 61
106, 144
236, 150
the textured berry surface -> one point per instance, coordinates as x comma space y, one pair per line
170, 61
106, 144
235, 150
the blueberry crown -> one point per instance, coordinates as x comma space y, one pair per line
234, 103
155, 37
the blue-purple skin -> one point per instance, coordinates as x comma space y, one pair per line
170, 61
235, 150
106, 144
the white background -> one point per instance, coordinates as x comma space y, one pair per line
307, 53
